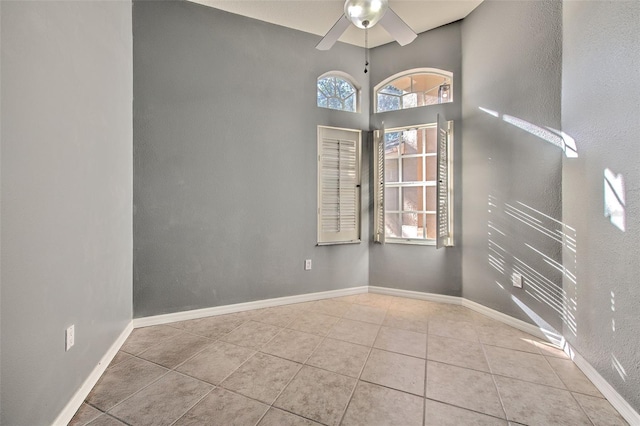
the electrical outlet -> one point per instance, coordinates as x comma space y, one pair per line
516, 279
70, 337
307, 265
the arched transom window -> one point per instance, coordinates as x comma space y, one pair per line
337, 90
414, 88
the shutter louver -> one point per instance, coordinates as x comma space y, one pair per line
443, 220
378, 154
339, 191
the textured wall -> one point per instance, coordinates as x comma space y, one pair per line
413, 267
511, 167
601, 111
67, 197
225, 157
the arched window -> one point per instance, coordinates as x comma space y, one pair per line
337, 90
414, 88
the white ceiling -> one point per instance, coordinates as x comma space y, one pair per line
318, 16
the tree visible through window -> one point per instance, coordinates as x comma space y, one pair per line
336, 92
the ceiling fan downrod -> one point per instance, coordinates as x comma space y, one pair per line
366, 47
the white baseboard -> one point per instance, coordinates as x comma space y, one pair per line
431, 297
455, 300
78, 398
619, 403
240, 307
504, 318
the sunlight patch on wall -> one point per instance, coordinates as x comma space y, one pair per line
617, 366
548, 134
538, 131
615, 363
614, 199
570, 148
551, 333
613, 309
490, 112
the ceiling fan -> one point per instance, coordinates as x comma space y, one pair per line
365, 14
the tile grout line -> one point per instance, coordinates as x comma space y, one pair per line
364, 365
250, 357
520, 379
471, 410
270, 406
302, 365
169, 370
213, 341
324, 338
569, 390
495, 385
192, 356
136, 392
117, 419
426, 365
193, 405
102, 413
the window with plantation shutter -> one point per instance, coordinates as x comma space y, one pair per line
412, 185
378, 185
338, 185
443, 204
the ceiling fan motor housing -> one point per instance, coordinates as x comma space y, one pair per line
365, 13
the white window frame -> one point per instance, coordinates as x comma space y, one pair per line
339, 174
346, 77
444, 187
407, 73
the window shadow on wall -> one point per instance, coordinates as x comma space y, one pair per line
511, 249
614, 199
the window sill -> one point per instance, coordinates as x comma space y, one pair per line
410, 241
335, 243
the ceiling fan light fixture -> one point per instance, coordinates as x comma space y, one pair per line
365, 13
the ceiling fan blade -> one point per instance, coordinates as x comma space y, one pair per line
397, 28
334, 34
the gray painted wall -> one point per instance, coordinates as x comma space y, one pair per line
413, 267
67, 197
601, 111
225, 139
511, 178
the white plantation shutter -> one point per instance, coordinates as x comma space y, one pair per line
443, 210
338, 185
378, 185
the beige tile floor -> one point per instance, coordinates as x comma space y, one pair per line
366, 359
